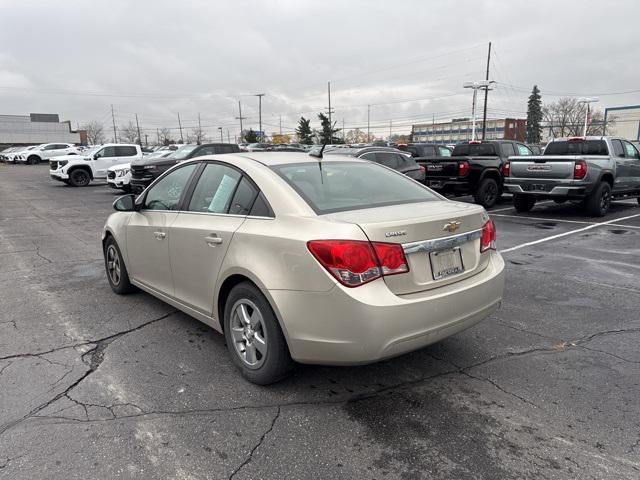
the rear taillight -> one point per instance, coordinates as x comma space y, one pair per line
580, 169
423, 169
463, 168
488, 238
506, 169
355, 262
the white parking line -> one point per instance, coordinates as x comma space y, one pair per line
540, 218
513, 208
560, 235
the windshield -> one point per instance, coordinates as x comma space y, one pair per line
182, 152
342, 186
474, 150
91, 150
580, 147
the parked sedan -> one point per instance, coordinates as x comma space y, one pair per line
295, 258
389, 157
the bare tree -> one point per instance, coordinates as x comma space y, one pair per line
95, 132
129, 132
356, 136
197, 136
165, 136
565, 118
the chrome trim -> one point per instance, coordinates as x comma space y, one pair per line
441, 243
257, 217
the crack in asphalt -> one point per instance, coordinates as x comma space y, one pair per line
253, 450
12, 322
37, 251
96, 354
90, 341
496, 385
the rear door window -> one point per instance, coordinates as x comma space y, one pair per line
444, 151
215, 189
507, 150
523, 150
125, 151
387, 159
618, 148
243, 198
631, 150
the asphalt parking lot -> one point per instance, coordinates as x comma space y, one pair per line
94, 385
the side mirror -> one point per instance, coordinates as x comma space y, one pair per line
125, 203
95, 156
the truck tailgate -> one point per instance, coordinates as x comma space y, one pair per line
440, 168
551, 167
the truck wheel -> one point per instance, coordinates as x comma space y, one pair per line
598, 203
79, 178
523, 203
487, 193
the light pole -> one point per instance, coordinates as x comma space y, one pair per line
476, 86
260, 95
221, 139
586, 101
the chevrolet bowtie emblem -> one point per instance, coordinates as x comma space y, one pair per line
451, 227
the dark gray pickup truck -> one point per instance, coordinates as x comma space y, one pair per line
593, 170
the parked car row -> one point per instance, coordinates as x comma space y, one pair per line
34, 154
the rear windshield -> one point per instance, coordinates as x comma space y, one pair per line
474, 150
586, 147
341, 186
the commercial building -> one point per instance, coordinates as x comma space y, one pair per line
623, 121
459, 130
37, 128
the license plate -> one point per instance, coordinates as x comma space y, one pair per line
434, 167
445, 263
540, 187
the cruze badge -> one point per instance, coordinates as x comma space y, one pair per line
451, 226
398, 233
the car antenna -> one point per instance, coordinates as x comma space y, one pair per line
319, 155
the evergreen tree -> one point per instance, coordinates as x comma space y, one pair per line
533, 133
304, 131
251, 136
327, 132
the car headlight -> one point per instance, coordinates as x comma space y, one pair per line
122, 173
62, 163
149, 167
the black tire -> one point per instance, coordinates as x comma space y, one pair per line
33, 160
523, 203
276, 362
597, 204
79, 178
559, 201
118, 277
487, 193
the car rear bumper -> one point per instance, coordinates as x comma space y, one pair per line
548, 188
369, 323
448, 184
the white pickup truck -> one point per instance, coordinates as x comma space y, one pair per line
80, 170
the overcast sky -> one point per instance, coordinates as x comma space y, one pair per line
408, 59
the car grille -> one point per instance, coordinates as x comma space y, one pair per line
111, 175
53, 165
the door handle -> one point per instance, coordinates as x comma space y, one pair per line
159, 235
213, 240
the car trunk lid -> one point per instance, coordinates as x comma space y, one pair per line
441, 240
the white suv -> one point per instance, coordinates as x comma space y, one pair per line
45, 152
119, 177
80, 170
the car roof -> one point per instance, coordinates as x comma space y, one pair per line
354, 152
276, 158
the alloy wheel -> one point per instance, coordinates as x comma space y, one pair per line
605, 201
113, 264
248, 333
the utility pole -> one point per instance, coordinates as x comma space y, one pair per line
343, 137
146, 139
199, 140
368, 123
486, 93
390, 128
329, 93
113, 119
138, 127
228, 136
280, 124
240, 118
180, 125
221, 139
260, 95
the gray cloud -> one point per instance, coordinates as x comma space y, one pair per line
158, 58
